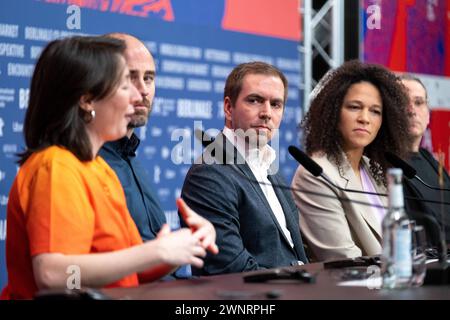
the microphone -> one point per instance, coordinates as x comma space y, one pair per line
316, 170
206, 140
408, 170
435, 274
302, 158
440, 273
306, 161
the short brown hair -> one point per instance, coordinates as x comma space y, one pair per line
233, 85
408, 77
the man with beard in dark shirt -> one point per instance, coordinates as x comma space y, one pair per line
142, 202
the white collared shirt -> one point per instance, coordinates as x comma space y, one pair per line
259, 161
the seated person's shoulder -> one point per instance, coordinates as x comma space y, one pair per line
212, 171
52, 156
318, 157
322, 159
424, 152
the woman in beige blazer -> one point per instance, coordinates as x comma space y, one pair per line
358, 113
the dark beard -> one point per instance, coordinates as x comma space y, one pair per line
137, 122
139, 119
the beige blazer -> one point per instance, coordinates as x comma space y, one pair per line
333, 228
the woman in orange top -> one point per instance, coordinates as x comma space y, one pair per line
68, 224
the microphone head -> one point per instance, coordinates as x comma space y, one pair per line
397, 162
305, 161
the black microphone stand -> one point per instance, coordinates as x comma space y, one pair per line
438, 273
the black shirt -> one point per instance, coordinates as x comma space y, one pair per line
142, 203
427, 169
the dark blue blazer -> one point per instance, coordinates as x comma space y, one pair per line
248, 234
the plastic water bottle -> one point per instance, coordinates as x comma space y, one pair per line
396, 258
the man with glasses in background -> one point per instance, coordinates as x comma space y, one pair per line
423, 161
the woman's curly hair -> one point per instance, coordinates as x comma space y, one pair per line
320, 124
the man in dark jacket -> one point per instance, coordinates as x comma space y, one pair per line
235, 184
426, 166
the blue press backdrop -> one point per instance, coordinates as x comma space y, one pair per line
193, 56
